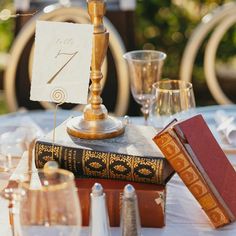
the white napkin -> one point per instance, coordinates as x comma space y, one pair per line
17, 134
226, 125
22, 169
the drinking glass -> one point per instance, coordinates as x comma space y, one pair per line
173, 99
14, 141
145, 68
50, 205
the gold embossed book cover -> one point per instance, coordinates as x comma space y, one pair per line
193, 152
131, 156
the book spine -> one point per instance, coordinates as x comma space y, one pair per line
179, 159
90, 163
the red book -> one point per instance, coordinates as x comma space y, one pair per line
151, 201
193, 152
210, 159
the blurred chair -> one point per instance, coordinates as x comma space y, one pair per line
222, 18
18, 71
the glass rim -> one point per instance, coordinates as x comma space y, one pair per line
53, 187
188, 86
126, 55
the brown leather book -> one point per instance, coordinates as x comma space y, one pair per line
193, 152
151, 201
131, 156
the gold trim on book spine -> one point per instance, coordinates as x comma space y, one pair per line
121, 166
83, 161
132, 168
198, 189
179, 162
217, 217
94, 163
207, 202
191, 177
159, 170
102, 164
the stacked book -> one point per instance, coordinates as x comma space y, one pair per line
130, 158
187, 147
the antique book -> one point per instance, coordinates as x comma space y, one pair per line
132, 156
151, 200
193, 152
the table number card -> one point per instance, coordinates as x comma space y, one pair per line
62, 59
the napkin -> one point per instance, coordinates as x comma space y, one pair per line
22, 167
226, 125
21, 172
17, 134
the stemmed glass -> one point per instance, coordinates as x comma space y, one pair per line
50, 204
145, 68
14, 141
173, 99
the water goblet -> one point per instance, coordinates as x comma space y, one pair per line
145, 68
50, 204
173, 99
12, 193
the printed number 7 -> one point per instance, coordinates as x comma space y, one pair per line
58, 72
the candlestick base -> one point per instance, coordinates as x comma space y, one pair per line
95, 129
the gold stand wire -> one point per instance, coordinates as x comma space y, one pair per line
95, 122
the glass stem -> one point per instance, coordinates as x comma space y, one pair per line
145, 112
12, 217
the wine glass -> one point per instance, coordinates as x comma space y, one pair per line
173, 99
145, 68
14, 141
50, 204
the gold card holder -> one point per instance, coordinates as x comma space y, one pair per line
95, 123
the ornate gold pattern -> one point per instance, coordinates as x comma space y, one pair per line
100, 158
95, 165
145, 171
217, 216
179, 162
188, 176
207, 202
102, 164
198, 189
165, 139
170, 149
126, 161
46, 152
120, 168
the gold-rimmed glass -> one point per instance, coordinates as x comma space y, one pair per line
173, 99
50, 204
145, 68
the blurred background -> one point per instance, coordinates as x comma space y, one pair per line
143, 24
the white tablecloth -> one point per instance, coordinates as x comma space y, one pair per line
184, 216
